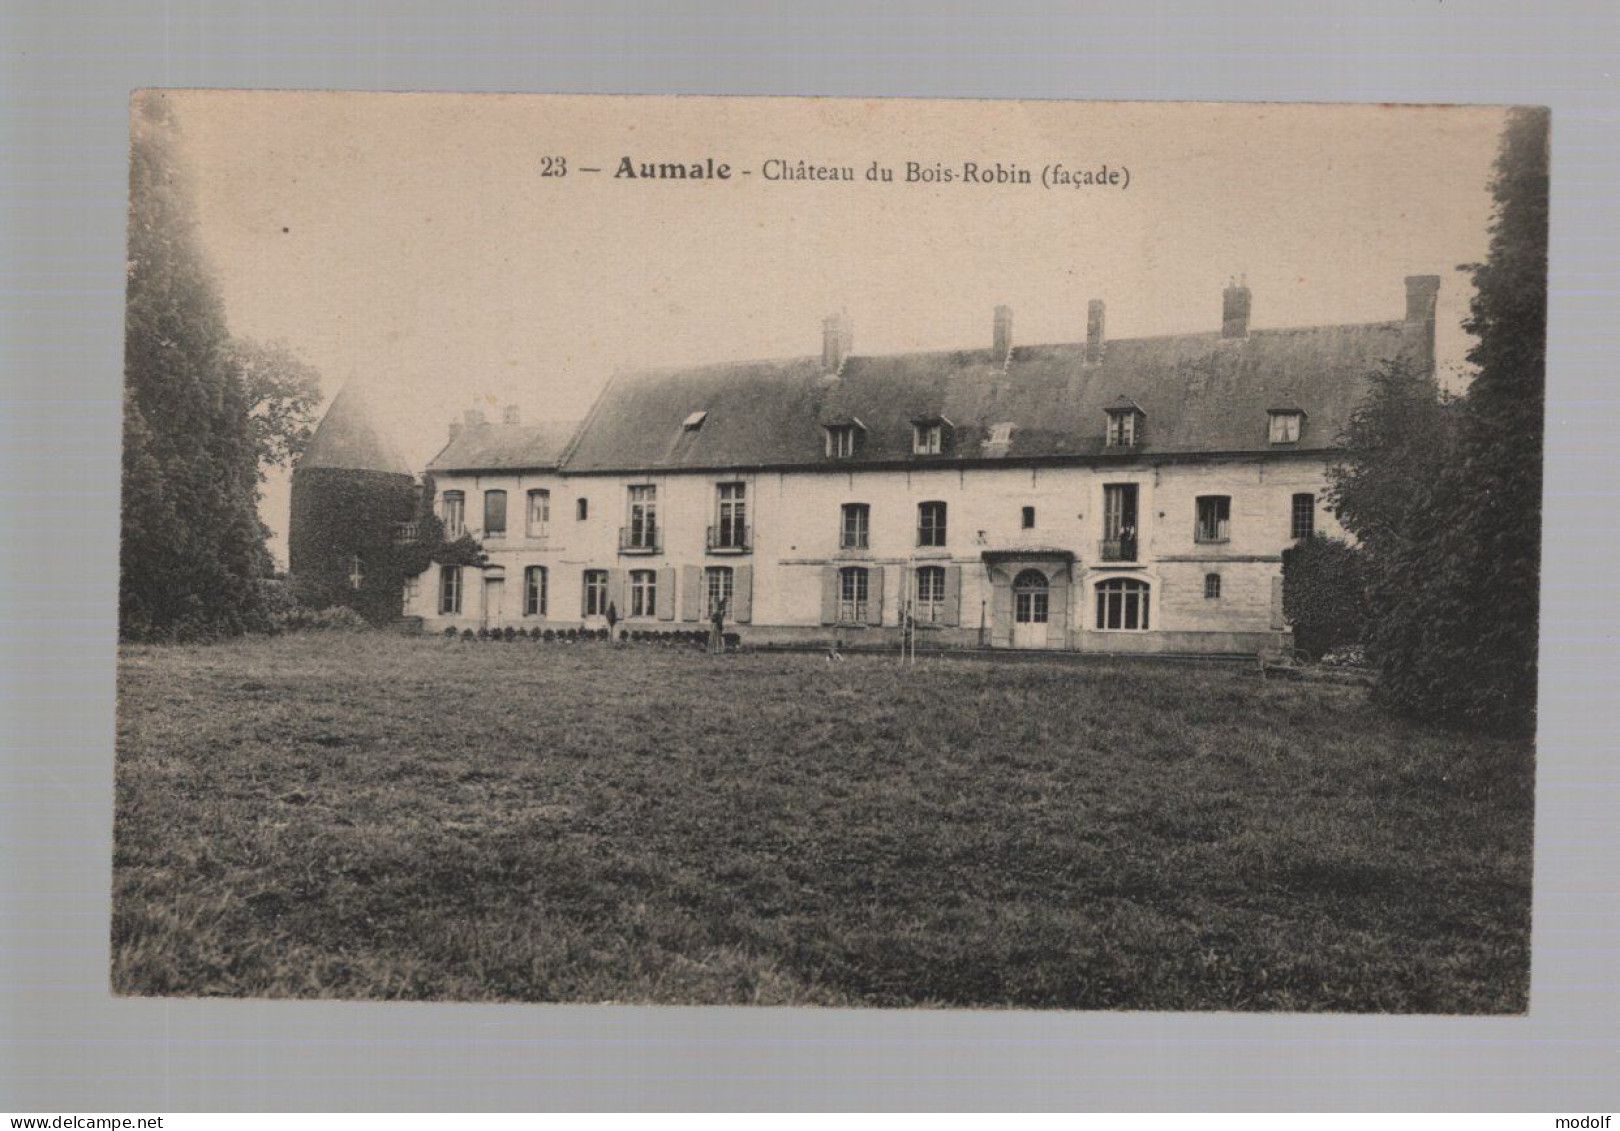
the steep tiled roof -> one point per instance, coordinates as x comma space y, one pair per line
1198, 393
348, 438
504, 447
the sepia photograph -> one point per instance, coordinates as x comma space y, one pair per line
894, 553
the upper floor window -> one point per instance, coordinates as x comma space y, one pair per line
534, 591
930, 435
853, 532
582, 509
539, 516
1124, 424
1302, 521
642, 533
1027, 520
454, 514
494, 514
449, 590
1285, 425
1214, 518
356, 573
1119, 522
843, 439
643, 593
931, 524
595, 602
731, 516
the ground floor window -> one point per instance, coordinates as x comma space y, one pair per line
1212, 585
413, 586
596, 593
1122, 603
930, 603
534, 591
718, 585
852, 595
1031, 601
643, 593
449, 590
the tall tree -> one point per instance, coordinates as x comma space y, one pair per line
193, 547
1446, 500
283, 392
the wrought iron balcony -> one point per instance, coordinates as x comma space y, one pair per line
730, 538
406, 533
646, 539
1117, 549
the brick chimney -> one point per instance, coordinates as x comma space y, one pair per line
510, 415
1417, 333
455, 430
1094, 331
1002, 346
1235, 309
837, 339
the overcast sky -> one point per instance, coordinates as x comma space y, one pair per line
409, 242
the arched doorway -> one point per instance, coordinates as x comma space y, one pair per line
1031, 609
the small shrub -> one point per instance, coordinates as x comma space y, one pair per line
733, 641
337, 618
549, 635
510, 633
467, 634
1325, 594
450, 633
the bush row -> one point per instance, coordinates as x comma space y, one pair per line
688, 638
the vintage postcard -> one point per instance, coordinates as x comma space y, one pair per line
1039, 555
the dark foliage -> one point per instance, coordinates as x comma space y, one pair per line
283, 391
193, 547
1325, 594
1446, 499
340, 517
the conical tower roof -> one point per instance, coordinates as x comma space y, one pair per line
348, 438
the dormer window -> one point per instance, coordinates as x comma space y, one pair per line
1124, 424
930, 435
1286, 424
843, 438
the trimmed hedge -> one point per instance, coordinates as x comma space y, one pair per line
1325, 595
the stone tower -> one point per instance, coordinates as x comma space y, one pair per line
350, 490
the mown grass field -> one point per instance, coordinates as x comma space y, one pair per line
370, 816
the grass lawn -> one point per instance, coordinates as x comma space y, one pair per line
372, 816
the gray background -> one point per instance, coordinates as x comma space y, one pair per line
67, 1045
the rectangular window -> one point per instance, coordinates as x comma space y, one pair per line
413, 588
1303, 524
582, 510
494, 514
1121, 429
643, 593
449, 590
1214, 518
1028, 520
1212, 586
539, 513
929, 607
596, 593
731, 516
1119, 522
931, 524
534, 591
853, 533
454, 514
928, 439
1122, 605
718, 586
852, 595
643, 530
841, 441
1285, 427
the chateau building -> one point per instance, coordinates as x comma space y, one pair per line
1106, 495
